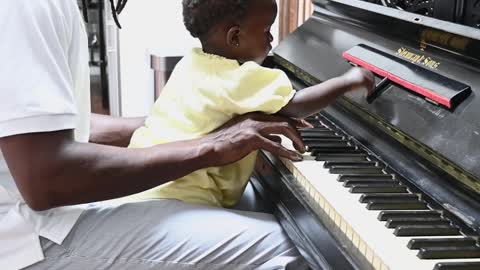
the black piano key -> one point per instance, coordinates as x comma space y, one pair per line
351, 183
340, 146
415, 218
315, 124
380, 188
307, 137
340, 157
393, 223
419, 243
327, 144
449, 252
366, 198
319, 124
314, 121
341, 169
363, 163
408, 205
320, 127
330, 150
318, 133
373, 177
426, 230
386, 215
323, 137
457, 266
309, 141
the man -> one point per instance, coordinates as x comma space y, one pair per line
45, 126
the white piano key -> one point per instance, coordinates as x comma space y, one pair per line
360, 226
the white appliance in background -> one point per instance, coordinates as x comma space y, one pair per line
113, 60
162, 69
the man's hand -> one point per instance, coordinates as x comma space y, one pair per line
247, 133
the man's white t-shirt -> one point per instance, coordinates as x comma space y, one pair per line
44, 86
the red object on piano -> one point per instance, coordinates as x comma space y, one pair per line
427, 83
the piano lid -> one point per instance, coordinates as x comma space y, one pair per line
450, 138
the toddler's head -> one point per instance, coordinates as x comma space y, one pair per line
235, 29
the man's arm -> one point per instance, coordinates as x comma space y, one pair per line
313, 99
51, 169
115, 131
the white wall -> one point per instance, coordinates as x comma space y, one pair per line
149, 26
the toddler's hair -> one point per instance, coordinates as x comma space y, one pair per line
200, 16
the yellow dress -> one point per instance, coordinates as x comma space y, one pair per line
204, 92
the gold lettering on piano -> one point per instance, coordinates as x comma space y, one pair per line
417, 58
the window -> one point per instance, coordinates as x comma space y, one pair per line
293, 13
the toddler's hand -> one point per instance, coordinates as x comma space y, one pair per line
360, 79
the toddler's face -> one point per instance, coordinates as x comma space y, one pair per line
255, 37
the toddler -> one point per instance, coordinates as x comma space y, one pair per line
211, 85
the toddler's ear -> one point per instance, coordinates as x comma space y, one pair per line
233, 37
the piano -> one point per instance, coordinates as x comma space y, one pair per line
392, 182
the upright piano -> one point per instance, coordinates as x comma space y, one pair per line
391, 182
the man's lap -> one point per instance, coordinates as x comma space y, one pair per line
168, 234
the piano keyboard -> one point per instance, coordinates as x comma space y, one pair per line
374, 211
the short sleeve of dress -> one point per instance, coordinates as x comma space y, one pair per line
256, 88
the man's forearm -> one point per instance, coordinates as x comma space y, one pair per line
313, 99
116, 131
97, 172
51, 169
84, 173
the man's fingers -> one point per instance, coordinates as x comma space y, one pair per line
301, 123
285, 129
277, 149
268, 125
290, 128
274, 138
275, 124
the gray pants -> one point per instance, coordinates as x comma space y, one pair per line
169, 234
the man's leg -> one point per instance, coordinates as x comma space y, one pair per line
169, 234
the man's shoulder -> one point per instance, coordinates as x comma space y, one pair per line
43, 4
58, 9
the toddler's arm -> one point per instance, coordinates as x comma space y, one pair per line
313, 99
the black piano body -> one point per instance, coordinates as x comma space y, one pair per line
435, 150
